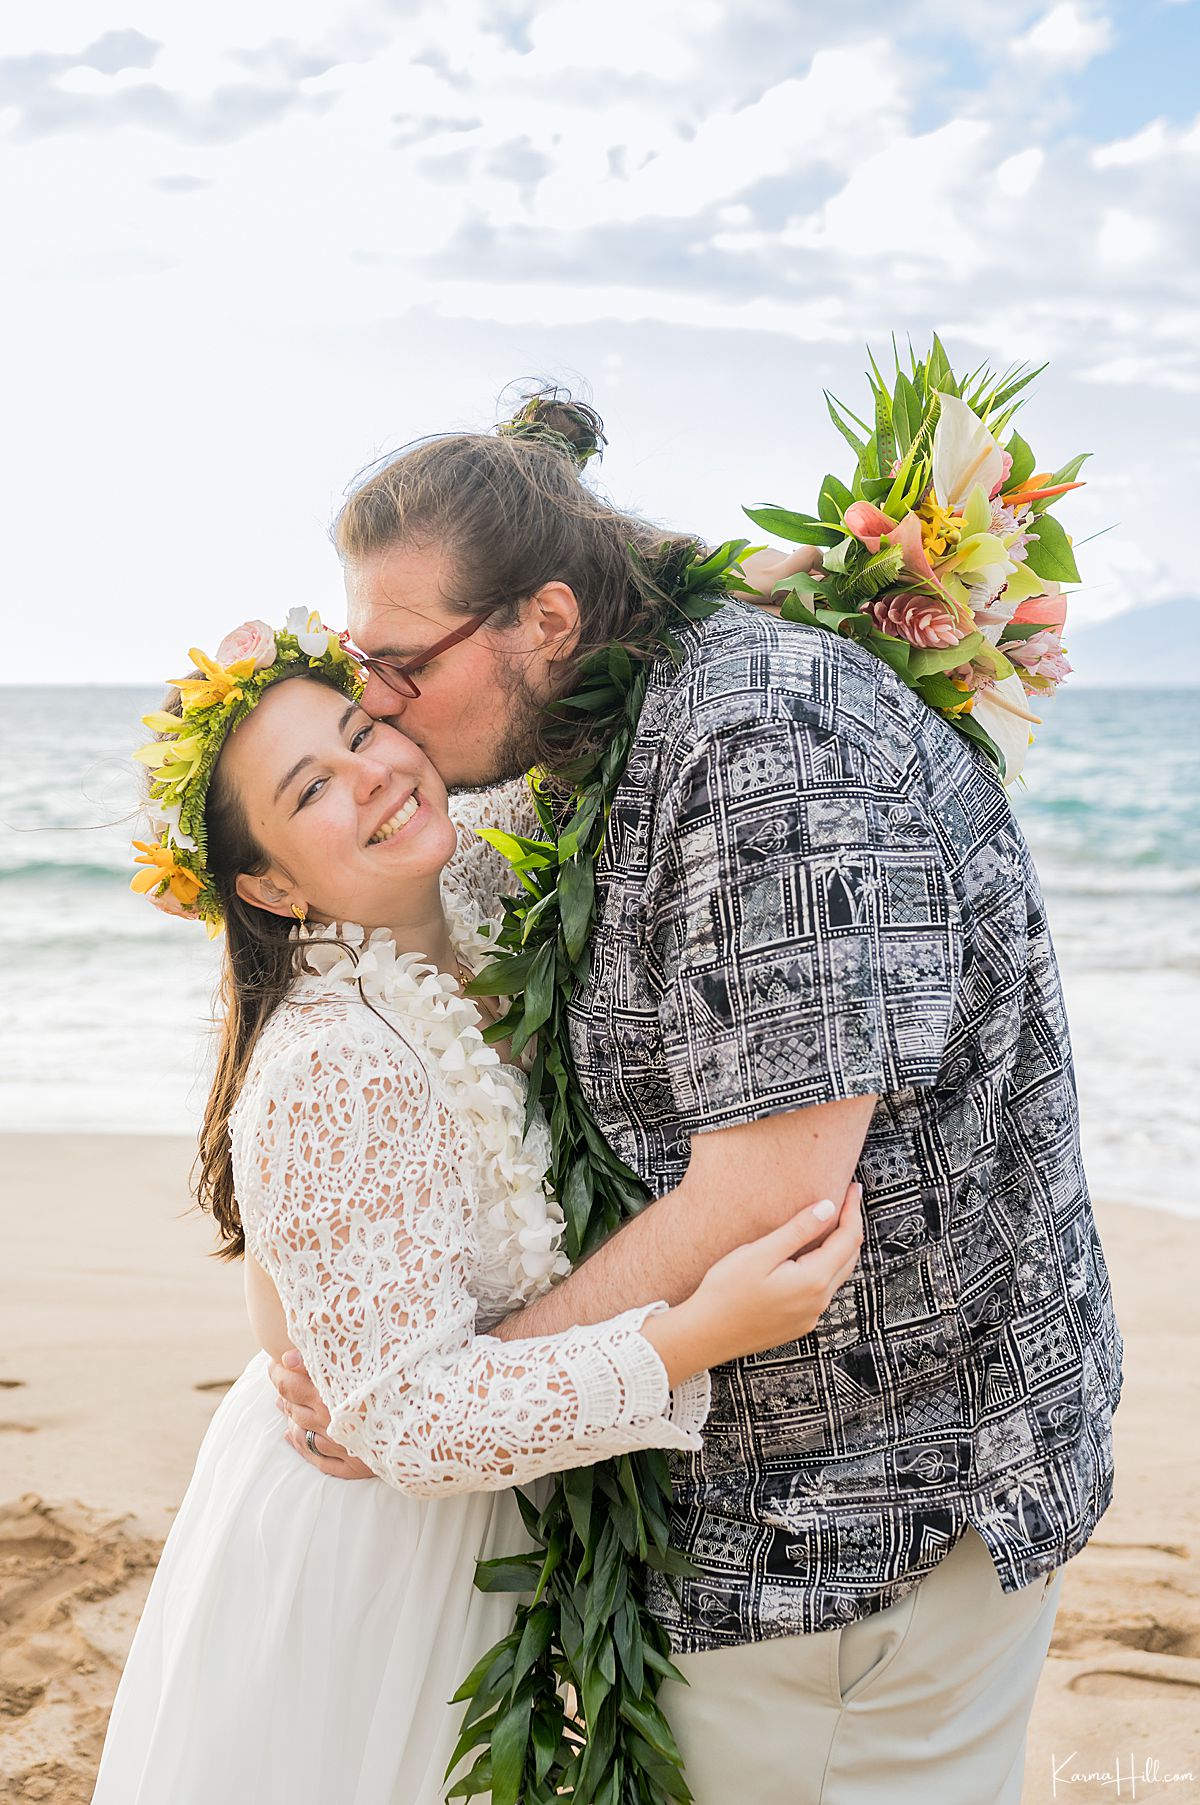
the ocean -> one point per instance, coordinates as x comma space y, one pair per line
107, 1004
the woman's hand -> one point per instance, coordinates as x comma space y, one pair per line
765, 570
768, 1292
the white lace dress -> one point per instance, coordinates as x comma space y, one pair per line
303, 1634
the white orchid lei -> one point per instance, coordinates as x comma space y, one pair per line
214, 700
940, 556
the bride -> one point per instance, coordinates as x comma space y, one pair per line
366, 1150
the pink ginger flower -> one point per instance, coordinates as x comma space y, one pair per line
923, 620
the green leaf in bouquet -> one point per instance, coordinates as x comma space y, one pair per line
907, 413
938, 374
1023, 464
1049, 556
1067, 474
833, 501
894, 652
926, 660
836, 410
801, 529
885, 438
795, 608
1021, 379
876, 489
939, 692
1018, 630
877, 573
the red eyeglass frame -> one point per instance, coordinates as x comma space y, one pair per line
395, 673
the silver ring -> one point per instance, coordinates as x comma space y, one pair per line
310, 1442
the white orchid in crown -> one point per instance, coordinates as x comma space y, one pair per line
310, 634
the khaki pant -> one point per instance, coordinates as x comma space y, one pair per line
925, 1703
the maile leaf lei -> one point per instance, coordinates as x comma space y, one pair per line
588, 1627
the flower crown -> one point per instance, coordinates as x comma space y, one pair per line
184, 752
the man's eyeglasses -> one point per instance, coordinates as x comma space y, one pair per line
396, 672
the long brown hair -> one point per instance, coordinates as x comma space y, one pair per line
257, 971
513, 515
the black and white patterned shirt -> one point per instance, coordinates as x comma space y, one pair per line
814, 888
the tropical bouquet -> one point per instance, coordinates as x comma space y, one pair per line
940, 555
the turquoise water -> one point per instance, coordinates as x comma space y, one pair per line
106, 1003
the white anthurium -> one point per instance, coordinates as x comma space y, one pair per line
169, 816
311, 636
1003, 712
965, 454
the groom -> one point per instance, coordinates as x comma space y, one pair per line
820, 949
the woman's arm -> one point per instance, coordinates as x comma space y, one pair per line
355, 1202
351, 1173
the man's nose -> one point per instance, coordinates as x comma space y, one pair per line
381, 700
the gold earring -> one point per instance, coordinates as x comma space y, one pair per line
300, 912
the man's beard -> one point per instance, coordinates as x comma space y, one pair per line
516, 748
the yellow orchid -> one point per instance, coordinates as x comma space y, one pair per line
164, 871
219, 684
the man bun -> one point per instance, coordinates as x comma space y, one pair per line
552, 416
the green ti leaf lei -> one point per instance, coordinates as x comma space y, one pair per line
588, 1627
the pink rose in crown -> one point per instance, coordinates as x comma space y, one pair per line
254, 639
910, 614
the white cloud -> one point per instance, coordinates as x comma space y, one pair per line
1067, 37
1017, 174
1127, 238
703, 218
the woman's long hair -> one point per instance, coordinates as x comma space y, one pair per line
258, 969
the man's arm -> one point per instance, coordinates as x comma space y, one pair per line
741, 1182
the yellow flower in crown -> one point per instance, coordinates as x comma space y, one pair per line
216, 684
213, 702
164, 872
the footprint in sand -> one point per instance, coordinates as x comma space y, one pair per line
1131, 1682
70, 1584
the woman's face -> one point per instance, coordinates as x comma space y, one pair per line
351, 813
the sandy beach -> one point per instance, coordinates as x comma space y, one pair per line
118, 1336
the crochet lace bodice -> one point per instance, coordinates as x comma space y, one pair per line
389, 1186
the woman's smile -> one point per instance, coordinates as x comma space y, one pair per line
396, 823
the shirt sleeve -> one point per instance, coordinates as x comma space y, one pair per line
801, 926
352, 1178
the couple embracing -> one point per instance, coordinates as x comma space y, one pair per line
817, 1015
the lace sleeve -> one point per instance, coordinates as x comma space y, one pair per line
351, 1176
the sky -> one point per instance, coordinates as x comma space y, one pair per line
250, 247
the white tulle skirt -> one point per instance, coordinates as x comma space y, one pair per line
302, 1635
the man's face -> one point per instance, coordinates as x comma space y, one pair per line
480, 699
